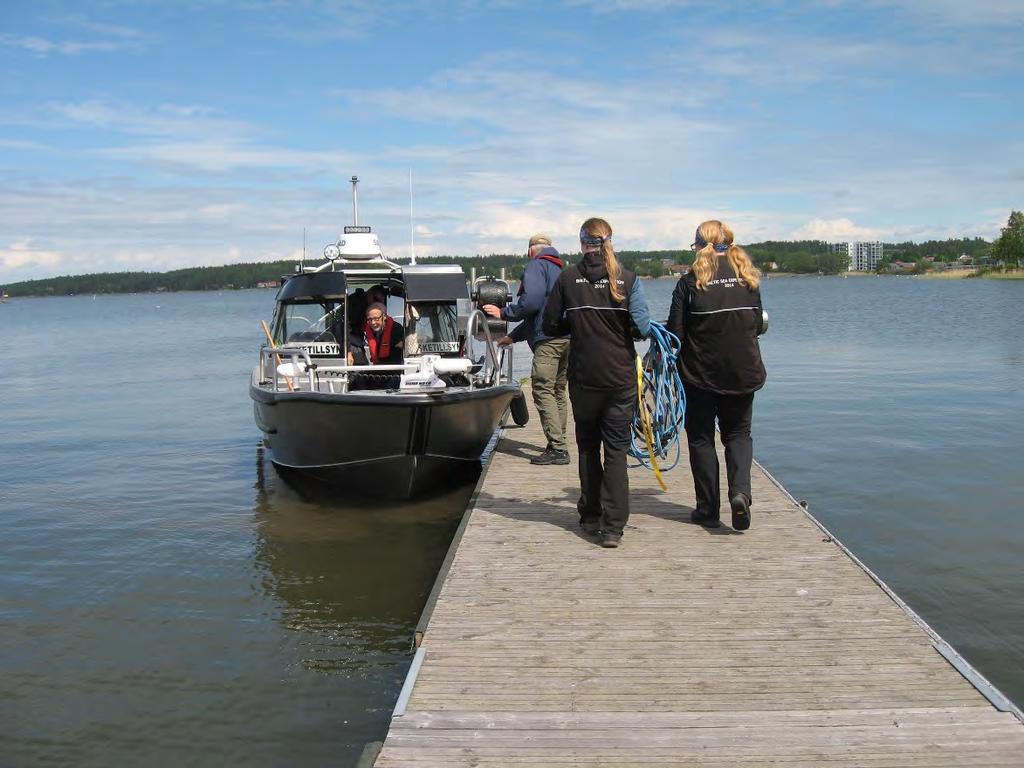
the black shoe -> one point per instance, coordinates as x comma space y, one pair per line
740, 512
551, 456
610, 539
591, 526
704, 518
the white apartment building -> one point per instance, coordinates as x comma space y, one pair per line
864, 257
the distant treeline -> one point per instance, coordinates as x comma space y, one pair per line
941, 250
803, 256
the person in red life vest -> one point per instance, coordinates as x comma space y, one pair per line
384, 337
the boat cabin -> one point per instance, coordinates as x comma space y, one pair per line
321, 311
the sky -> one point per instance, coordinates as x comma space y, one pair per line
152, 135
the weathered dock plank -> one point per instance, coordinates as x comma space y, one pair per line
685, 646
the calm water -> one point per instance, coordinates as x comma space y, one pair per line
166, 597
164, 594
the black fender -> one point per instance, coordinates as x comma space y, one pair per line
520, 413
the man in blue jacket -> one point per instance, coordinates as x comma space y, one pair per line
550, 354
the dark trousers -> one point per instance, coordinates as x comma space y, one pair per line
734, 413
603, 418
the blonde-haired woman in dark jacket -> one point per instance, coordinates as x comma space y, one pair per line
717, 314
601, 305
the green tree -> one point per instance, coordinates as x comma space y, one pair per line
834, 263
1009, 248
799, 261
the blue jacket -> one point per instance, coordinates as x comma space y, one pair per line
539, 277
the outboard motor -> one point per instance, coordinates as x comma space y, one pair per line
493, 290
497, 291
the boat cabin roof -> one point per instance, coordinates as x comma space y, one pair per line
311, 286
416, 282
435, 282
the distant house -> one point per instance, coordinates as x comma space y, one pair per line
678, 270
269, 284
964, 258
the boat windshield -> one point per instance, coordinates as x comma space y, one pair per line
433, 328
322, 321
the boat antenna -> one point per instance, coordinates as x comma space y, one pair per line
303, 262
355, 201
412, 228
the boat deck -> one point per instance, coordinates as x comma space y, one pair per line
685, 646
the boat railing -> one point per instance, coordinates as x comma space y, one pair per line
308, 372
506, 363
297, 369
493, 375
296, 356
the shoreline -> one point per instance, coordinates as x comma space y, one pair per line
959, 274
964, 274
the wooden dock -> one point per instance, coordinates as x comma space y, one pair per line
685, 646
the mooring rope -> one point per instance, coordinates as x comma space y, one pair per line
661, 405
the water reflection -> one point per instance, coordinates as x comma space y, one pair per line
350, 577
346, 583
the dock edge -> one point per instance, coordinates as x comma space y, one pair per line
986, 688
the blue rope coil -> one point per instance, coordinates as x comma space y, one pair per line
665, 400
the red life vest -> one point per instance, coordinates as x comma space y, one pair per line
382, 350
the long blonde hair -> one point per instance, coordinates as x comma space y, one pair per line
705, 265
599, 228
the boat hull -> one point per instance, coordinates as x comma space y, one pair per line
389, 445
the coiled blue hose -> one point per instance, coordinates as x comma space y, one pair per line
664, 399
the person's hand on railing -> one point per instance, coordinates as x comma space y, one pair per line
505, 341
491, 310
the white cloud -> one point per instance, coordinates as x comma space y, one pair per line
522, 133
223, 156
637, 6
101, 28
42, 47
978, 13
19, 144
956, 13
790, 60
182, 137
164, 120
833, 229
22, 255
503, 228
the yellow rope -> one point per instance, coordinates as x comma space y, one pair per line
645, 420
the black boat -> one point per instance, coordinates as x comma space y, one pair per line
397, 430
